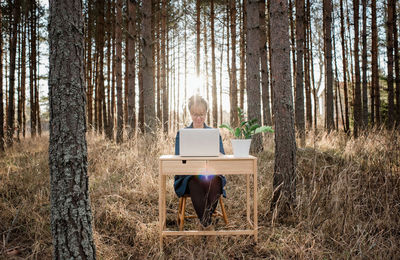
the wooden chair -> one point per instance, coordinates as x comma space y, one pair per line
182, 216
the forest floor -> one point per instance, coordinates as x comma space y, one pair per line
348, 202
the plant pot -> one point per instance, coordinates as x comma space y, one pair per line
241, 147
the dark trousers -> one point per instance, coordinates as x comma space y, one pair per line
205, 192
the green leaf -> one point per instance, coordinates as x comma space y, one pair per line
253, 121
254, 127
238, 132
263, 129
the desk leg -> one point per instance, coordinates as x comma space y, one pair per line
161, 207
255, 198
248, 197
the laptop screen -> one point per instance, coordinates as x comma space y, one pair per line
199, 142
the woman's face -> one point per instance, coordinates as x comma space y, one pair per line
198, 114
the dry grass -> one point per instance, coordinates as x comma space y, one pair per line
348, 202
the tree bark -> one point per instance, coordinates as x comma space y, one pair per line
118, 70
299, 94
357, 93
130, 85
1, 84
252, 71
233, 88
148, 64
213, 70
389, 46
396, 64
164, 86
13, 51
264, 66
243, 30
328, 64
284, 182
71, 216
198, 12
344, 60
364, 67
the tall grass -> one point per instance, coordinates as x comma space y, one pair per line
348, 201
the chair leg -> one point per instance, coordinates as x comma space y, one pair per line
223, 211
179, 211
182, 215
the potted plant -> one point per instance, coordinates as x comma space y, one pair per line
243, 134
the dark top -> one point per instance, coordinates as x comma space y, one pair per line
181, 181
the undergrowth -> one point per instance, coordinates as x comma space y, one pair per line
348, 201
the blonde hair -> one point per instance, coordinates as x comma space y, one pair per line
196, 100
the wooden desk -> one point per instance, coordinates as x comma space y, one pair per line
224, 165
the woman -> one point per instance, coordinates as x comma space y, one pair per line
204, 192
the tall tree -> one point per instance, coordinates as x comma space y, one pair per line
164, 86
375, 92
389, 45
71, 215
13, 51
89, 65
242, 47
364, 66
130, 84
299, 93
357, 92
253, 68
396, 63
1, 85
198, 12
100, 100
213, 70
264, 66
32, 66
344, 60
118, 70
147, 63
233, 89
284, 182
327, 23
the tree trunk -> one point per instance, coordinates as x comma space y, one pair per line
13, 51
364, 66
109, 129
307, 58
147, 63
374, 62
213, 71
89, 66
1, 84
71, 216
164, 86
357, 93
100, 72
23, 74
233, 87
344, 59
118, 70
284, 182
389, 46
130, 85
253, 72
328, 65
206, 86
396, 64
198, 11
299, 94
264, 66
243, 31
292, 38
32, 62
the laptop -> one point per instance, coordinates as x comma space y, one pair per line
199, 142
